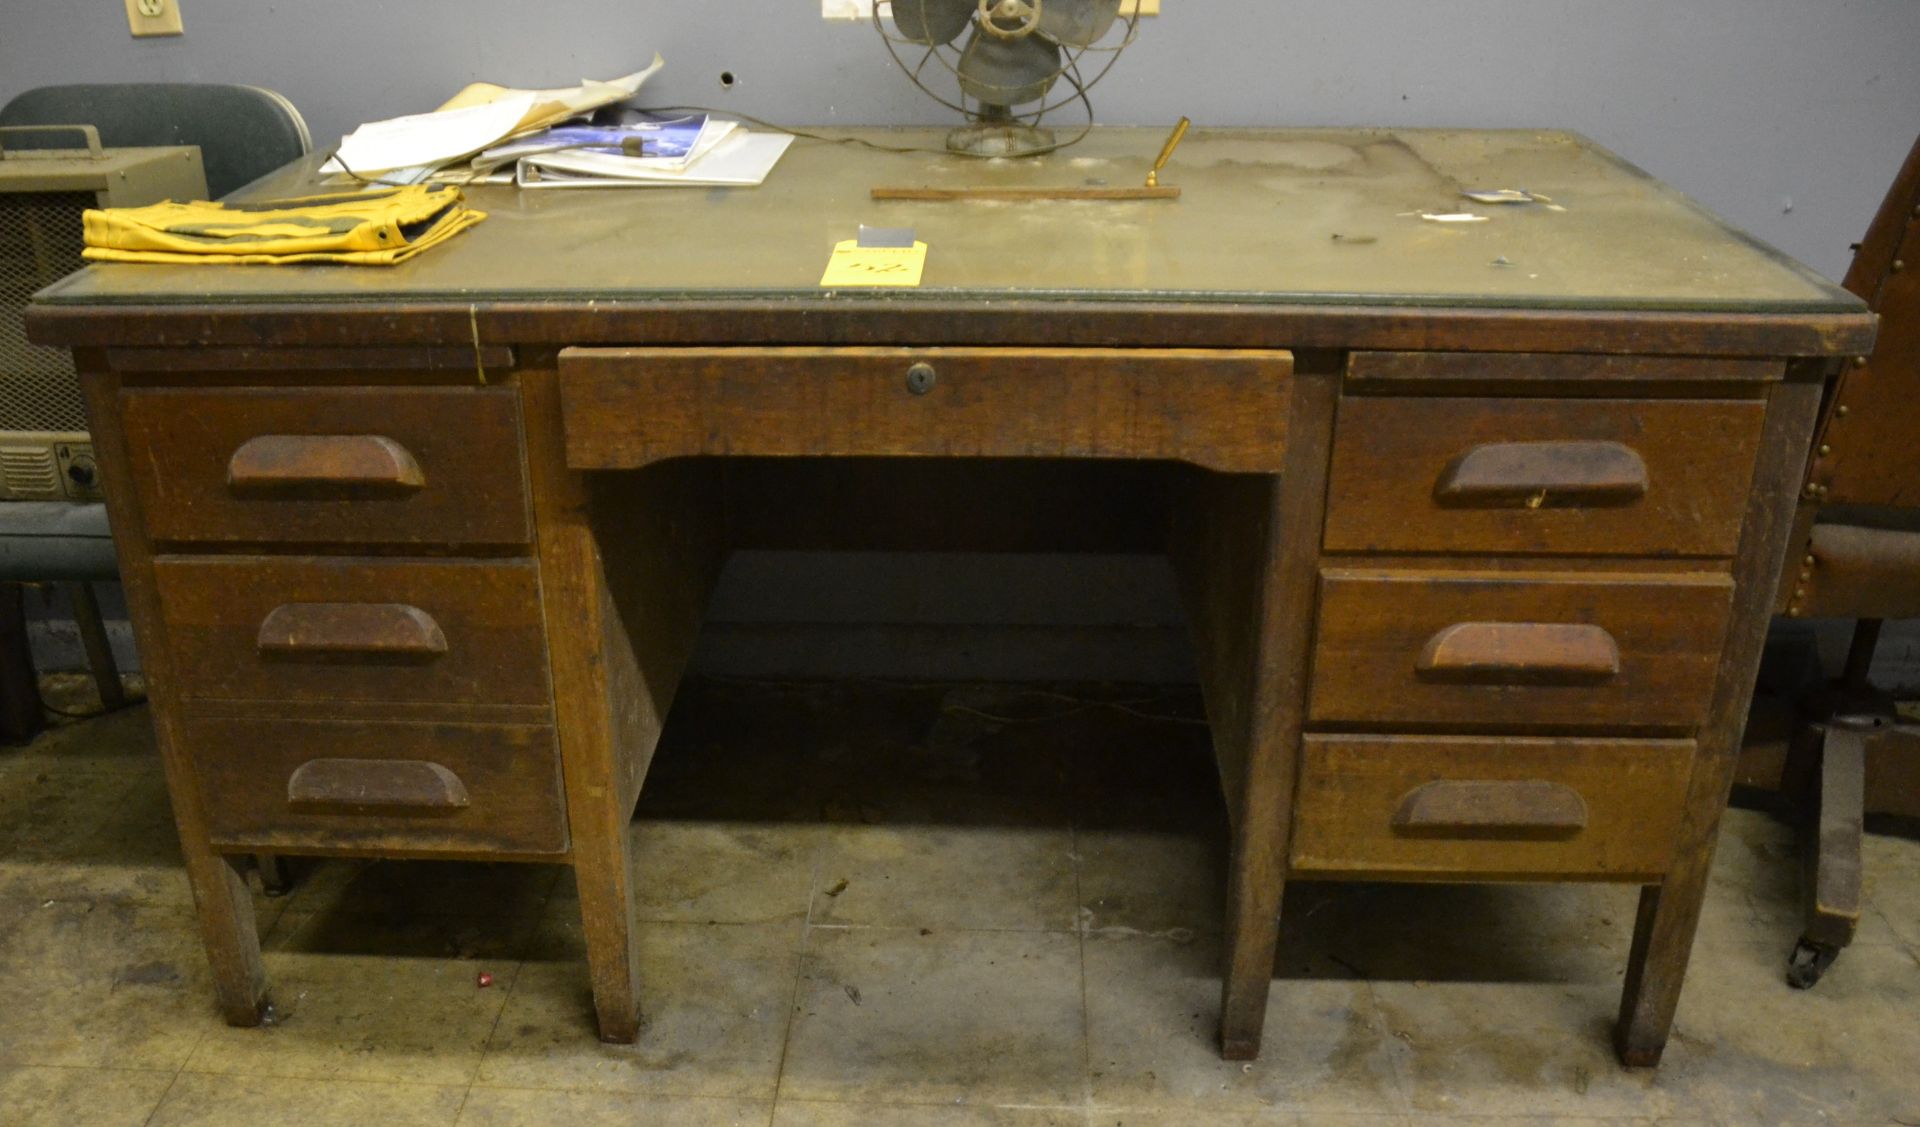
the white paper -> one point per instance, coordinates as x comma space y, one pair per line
742, 160
430, 139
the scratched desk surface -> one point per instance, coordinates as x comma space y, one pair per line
1267, 216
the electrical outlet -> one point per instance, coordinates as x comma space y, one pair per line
154, 17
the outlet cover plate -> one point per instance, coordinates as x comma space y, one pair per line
154, 17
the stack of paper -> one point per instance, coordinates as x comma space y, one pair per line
408, 149
727, 157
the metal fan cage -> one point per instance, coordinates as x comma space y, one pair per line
945, 54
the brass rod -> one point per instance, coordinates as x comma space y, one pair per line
1166, 151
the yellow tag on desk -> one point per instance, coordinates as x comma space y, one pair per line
855, 265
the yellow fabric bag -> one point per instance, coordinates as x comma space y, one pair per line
361, 228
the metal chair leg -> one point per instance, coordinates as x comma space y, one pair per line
93, 636
21, 713
1832, 850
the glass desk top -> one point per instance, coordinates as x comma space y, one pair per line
1266, 216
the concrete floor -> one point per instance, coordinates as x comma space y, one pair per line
886, 906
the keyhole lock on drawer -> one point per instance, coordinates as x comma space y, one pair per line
920, 378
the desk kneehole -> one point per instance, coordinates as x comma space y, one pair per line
1224, 410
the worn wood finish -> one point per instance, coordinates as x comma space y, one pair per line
1670, 910
1467, 807
250, 772
1517, 651
272, 365
622, 602
1399, 464
1520, 653
355, 786
1518, 808
391, 465
1520, 475
1244, 553
317, 628
322, 467
1484, 368
629, 407
1534, 510
223, 903
1027, 323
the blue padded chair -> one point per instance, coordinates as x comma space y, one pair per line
243, 132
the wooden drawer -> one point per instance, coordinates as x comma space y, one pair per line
627, 407
329, 465
378, 785
1489, 650
319, 629
1577, 476
1462, 807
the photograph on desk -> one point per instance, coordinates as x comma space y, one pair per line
959, 563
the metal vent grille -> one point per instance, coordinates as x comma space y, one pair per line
40, 241
30, 472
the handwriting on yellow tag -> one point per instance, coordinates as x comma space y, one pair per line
855, 265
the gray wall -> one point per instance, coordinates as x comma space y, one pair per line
1787, 116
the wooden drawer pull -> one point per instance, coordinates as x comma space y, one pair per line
1469, 808
322, 631
1543, 475
347, 785
1520, 653
322, 466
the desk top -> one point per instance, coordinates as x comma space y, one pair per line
1268, 217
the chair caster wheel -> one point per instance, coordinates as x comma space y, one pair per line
1808, 962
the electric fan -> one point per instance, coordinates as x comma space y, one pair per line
1015, 52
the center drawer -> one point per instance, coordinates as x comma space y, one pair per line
1223, 409
345, 629
1494, 650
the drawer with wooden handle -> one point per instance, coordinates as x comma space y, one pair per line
347, 629
1444, 807
1518, 650
381, 786
1575, 476
1226, 410
407, 465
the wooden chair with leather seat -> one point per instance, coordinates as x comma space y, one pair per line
1859, 527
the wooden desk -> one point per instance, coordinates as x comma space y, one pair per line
1477, 523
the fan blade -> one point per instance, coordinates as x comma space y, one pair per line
1007, 72
932, 21
1077, 23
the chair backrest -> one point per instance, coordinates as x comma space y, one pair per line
244, 132
1868, 449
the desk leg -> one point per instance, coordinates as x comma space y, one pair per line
1247, 552
1670, 911
224, 904
222, 901
624, 586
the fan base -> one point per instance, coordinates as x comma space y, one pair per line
1000, 139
